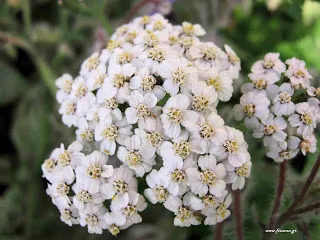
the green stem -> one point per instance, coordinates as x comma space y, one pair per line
106, 23
26, 16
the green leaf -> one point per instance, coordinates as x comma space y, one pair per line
5, 169
12, 84
31, 129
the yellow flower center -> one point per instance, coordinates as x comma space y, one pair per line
84, 196
155, 138
143, 111
215, 82
148, 82
207, 131
243, 170
230, 146
110, 132
209, 53
161, 194
306, 119
208, 177
119, 80
124, 57
63, 189
156, 54
178, 175
92, 220
111, 103
175, 115
284, 97
114, 230
260, 84
249, 109
182, 149
200, 103
94, 171
64, 159
133, 159
178, 76
120, 186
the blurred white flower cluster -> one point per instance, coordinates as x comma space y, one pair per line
281, 107
147, 103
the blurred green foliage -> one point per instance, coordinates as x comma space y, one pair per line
41, 39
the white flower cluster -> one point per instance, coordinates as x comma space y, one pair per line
151, 94
281, 107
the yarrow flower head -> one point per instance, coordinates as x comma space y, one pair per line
145, 107
281, 107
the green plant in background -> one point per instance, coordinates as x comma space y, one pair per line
41, 39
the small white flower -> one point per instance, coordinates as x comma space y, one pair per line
312, 91
209, 178
176, 170
308, 144
141, 109
129, 205
59, 191
206, 132
230, 145
115, 222
96, 79
93, 63
138, 157
68, 111
116, 85
272, 130
304, 119
145, 81
85, 99
153, 57
203, 97
282, 103
297, 73
111, 132
270, 63
93, 171
126, 54
237, 175
218, 214
70, 215
153, 135
179, 148
68, 159
93, 216
192, 30
208, 55
221, 81
120, 182
280, 151
64, 83
83, 197
184, 215
176, 113
252, 107
159, 188
234, 62
262, 82
177, 74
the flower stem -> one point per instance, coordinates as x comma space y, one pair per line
218, 231
276, 206
288, 215
237, 213
305, 187
26, 16
137, 7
